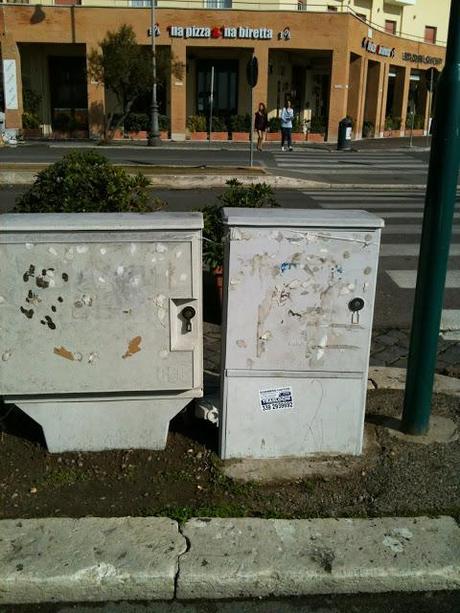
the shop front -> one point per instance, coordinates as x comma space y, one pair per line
328, 64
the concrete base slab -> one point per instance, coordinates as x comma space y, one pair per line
384, 377
293, 469
93, 559
442, 430
98, 424
239, 558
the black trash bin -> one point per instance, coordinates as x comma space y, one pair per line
344, 137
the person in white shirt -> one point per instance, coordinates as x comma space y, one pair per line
287, 115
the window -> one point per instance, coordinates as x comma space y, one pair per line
331, 9
390, 26
218, 4
430, 34
225, 87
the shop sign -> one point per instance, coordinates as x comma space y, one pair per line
10, 84
220, 32
372, 47
421, 59
157, 31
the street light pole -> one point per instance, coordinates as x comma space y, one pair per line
154, 134
436, 232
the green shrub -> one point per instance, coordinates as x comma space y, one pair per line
317, 125
140, 122
85, 182
419, 121
240, 123
392, 123
368, 129
236, 194
30, 121
164, 122
196, 123
32, 101
218, 124
274, 124
137, 122
298, 124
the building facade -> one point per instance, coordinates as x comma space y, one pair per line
331, 58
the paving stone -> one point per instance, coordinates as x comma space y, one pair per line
452, 354
391, 354
239, 558
90, 559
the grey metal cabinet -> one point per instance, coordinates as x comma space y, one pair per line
100, 318
298, 301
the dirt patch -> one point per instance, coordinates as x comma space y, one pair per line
186, 479
152, 169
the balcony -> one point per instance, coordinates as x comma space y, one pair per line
401, 2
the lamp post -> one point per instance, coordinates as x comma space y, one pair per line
154, 134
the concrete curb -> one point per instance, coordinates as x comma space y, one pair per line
90, 559
238, 558
27, 177
113, 559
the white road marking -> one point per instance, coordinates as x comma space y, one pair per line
361, 204
388, 250
406, 279
410, 229
407, 215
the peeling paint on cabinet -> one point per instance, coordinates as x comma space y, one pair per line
289, 286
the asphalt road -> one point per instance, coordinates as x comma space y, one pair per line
402, 211
385, 166
430, 602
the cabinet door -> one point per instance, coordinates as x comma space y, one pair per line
289, 299
100, 315
323, 415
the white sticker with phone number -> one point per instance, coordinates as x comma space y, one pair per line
276, 399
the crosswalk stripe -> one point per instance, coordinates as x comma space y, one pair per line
388, 250
324, 164
410, 229
344, 171
361, 204
406, 215
406, 279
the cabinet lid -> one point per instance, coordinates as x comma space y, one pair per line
306, 218
123, 222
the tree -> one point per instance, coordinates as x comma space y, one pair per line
125, 68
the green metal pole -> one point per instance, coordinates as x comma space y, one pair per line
436, 232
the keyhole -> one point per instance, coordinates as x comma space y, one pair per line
188, 313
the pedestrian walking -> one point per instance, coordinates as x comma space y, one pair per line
287, 115
260, 124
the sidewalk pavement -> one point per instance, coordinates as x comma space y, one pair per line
388, 348
113, 559
365, 144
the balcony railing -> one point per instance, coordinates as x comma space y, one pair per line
235, 5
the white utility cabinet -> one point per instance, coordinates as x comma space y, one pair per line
101, 324
298, 307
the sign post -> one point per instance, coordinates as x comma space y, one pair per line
430, 87
211, 103
252, 70
436, 233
